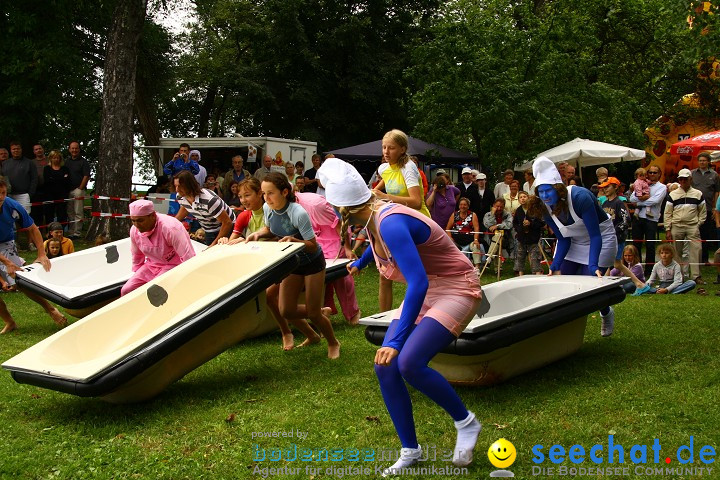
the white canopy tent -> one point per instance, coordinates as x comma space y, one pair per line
587, 153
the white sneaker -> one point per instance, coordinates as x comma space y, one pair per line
608, 323
408, 458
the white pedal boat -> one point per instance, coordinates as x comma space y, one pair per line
522, 324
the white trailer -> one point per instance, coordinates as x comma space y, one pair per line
217, 151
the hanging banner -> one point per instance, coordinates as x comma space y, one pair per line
252, 153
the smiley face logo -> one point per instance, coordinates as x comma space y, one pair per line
502, 453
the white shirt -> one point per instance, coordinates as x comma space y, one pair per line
201, 176
501, 189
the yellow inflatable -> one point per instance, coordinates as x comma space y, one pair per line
684, 121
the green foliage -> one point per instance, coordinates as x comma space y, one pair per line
51, 71
49, 79
327, 71
509, 81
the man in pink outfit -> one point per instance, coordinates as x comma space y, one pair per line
326, 226
157, 244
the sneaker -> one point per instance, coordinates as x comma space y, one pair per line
700, 281
32, 247
408, 458
608, 323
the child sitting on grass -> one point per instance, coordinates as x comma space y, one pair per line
668, 273
53, 248
55, 231
631, 259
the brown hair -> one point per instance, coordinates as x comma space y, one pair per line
47, 247
188, 183
281, 182
251, 183
667, 247
536, 207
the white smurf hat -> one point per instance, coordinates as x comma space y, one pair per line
545, 172
344, 187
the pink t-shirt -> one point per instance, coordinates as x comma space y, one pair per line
641, 187
324, 222
168, 244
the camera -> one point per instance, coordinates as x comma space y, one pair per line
441, 184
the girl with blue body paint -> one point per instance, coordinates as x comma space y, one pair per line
586, 240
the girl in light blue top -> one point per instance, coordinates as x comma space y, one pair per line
289, 222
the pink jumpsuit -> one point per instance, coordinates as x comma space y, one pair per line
157, 251
324, 223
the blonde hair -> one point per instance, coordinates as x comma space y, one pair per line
346, 212
56, 153
640, 171
399, 137
636, 255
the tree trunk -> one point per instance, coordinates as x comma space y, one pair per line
206, 110
115, 159
147, 116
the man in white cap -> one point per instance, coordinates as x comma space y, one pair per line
685, 212
469, 190
157, 244
586, 241
487, 197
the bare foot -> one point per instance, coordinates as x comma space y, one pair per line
355, 318
310, 341
327, 311
288, 341
9, 327
58, 318
334, 351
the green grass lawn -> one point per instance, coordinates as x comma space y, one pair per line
658, 377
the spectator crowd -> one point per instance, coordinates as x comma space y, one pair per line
485, 222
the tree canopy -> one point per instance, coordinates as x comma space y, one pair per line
502, 79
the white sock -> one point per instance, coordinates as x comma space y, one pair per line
467, 433
408, 458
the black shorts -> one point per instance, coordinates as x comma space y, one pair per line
316, 265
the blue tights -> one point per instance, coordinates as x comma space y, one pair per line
425, 340
573, 268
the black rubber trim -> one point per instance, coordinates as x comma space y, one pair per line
489, 341
162, 344
335, 272
92, 298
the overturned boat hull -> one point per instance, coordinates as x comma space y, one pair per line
522, 324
